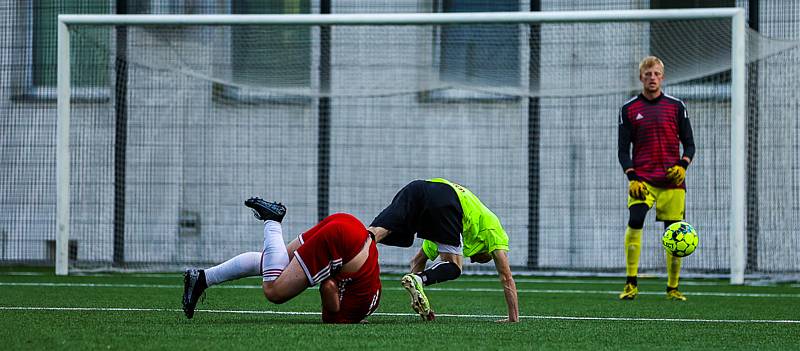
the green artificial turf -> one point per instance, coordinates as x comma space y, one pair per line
139, 311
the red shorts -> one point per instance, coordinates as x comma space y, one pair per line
325, 247
322, 252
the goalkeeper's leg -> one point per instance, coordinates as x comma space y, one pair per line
633, 248
673, 274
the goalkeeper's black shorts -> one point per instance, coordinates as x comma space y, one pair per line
429, 209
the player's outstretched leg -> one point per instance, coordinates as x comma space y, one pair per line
419, 302
265, 210
193, 287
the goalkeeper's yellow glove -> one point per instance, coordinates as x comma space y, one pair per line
677, 173
636, 187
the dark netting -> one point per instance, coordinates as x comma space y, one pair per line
172, 127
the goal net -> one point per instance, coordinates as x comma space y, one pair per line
172, 125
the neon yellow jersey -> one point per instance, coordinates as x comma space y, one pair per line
481, 231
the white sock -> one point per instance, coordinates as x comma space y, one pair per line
247, 264
274, 257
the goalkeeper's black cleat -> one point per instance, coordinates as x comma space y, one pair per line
265, 210
194, 284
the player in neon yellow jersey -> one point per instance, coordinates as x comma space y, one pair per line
453, 223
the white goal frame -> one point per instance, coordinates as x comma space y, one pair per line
737, 220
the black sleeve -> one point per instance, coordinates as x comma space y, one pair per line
685, 133
624, 140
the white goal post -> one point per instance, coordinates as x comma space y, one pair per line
737, 220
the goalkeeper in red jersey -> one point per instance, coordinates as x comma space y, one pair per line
656, 124
338, 253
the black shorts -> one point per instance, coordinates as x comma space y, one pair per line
429, 209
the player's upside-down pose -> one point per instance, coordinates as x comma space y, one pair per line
338, 253
454, 223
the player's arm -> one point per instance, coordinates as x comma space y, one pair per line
419, 261
624, 142
329, 294
686, 135
636, 187
509, 286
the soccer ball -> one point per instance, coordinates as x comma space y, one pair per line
680, 239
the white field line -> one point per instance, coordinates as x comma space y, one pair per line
306, 313
532, 291
465, 279
620, 281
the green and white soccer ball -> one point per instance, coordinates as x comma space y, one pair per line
680, 239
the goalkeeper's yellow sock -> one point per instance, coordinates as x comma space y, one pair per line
673, 270
633, 248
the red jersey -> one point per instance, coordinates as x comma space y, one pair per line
359, 292
656, 128
325, 248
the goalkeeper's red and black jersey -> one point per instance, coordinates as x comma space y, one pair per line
656, 128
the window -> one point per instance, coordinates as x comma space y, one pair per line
90, 55
275, 57
478, 55
167, 7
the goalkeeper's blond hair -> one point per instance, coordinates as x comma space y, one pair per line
648, 62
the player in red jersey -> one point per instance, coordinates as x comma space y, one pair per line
657, 125
338, 253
